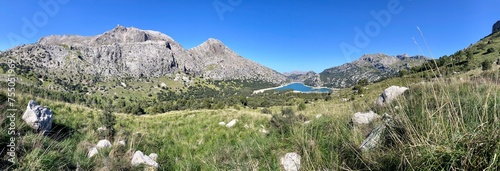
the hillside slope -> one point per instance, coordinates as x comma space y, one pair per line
372, 67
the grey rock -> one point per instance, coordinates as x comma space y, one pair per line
375, 137
139, 158
496, 27
291, 162
390, 94
366, 118
38, 117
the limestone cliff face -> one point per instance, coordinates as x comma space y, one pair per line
131, 52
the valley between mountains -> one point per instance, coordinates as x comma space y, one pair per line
132, 99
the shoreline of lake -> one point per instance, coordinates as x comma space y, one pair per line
295, 91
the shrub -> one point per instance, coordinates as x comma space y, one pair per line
108, 121
266, 111
490, 50
403, 72
358, 88
284, 122
486, 65
302, 106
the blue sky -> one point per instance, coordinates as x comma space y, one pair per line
283, 35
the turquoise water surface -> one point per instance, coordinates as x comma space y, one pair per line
304, 89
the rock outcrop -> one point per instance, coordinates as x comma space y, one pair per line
140, 158
390, 94
38, 117
291, 162
135, 53
372, 67
496, 27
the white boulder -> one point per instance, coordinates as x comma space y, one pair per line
222, 123
38, 117
390, 94
363, 118
140, 158
92, 152
231, 123
122, 142
291, 162
103, 144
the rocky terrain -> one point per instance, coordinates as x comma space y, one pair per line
128, 52
372, 67
496, 27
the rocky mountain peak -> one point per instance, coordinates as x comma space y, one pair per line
121, 34
496, 27
212, 46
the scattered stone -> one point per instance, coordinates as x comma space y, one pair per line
363, 118
38, 117
390, 94
319, 116
263, 130
92, 152
140, 158
124, 85
291, 162
231, 123
307, 122
102, 128
163, 84
222, 123
122, 142
103, 144
345, 99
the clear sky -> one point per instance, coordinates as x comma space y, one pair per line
285, 35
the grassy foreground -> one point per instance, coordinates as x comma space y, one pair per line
441, 124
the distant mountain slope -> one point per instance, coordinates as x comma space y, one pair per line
298, 76
372, 67
133, 53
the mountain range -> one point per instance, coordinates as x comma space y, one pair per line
372, 67
132, 53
